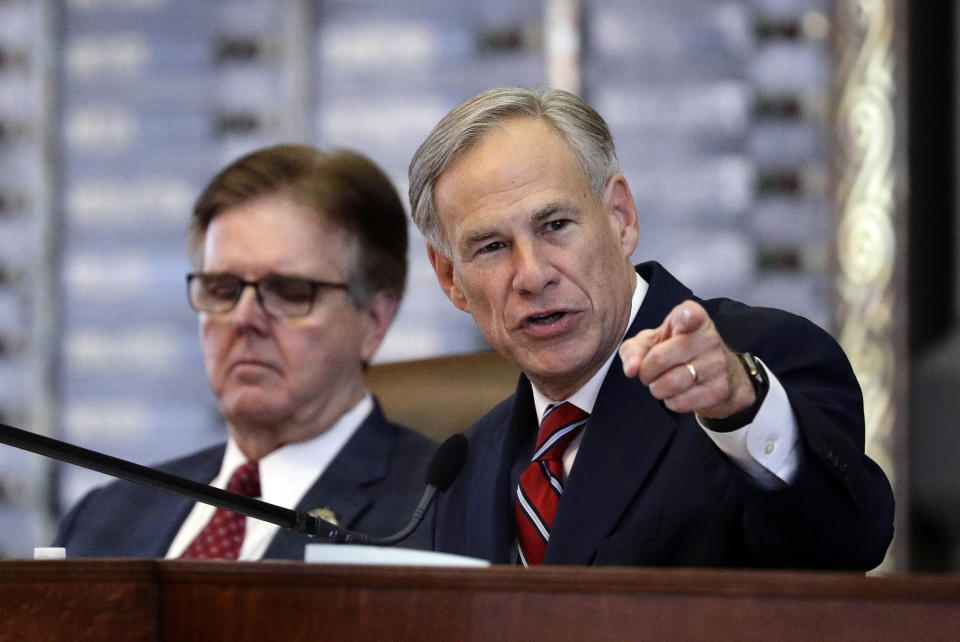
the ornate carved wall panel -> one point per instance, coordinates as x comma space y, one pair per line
870, 261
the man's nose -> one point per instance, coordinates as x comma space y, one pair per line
248, 310
532, 269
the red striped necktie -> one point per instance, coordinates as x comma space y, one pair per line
223, 535
541, 484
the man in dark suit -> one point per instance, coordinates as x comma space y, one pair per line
301, 264
649, 427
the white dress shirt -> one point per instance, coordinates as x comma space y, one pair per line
766, 448
286, 474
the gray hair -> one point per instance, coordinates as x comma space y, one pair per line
583, 129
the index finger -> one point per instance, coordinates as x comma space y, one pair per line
633, 350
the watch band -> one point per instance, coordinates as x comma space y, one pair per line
758, 376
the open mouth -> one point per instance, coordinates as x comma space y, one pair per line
545, 319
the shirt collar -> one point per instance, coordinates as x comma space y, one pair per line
287, 473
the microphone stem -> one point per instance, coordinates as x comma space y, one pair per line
412, 524
153, 478
299, 521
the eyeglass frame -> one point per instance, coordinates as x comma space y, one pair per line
315, 286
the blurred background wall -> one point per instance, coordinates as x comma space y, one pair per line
794, 153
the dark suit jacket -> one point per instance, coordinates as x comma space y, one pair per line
649, 487
373, 485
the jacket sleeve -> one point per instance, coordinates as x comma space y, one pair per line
838, 511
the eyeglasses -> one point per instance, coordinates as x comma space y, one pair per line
278, 295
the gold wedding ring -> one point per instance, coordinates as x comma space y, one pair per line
693, 372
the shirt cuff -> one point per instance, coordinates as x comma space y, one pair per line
766, 448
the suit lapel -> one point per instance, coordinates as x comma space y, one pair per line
165, 522
625, 435
490, 523
341, 487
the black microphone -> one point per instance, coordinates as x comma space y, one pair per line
441, 473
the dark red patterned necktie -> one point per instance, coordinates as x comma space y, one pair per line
223, 535
541, 484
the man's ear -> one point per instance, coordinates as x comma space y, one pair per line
379, 315
443, 266
618, 202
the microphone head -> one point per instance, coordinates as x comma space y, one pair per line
447, 462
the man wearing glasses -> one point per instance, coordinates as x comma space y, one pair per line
300, 260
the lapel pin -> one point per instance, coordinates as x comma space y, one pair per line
326, 514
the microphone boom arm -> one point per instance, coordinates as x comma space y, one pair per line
299, 521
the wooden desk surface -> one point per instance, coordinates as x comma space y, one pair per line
180, 600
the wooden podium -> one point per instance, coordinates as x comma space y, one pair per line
180, 600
